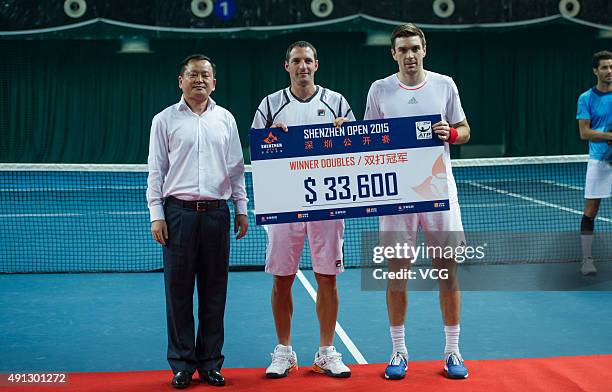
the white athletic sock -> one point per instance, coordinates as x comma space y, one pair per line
586, 240
452, 339
324, 350
284, 349
398, 340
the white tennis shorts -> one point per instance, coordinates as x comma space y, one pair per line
440, 228
286, 242
598, 180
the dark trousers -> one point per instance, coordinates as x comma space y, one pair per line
196, 252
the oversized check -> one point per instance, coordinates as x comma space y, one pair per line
364, 168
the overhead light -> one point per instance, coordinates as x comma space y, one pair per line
377, 38
202, 8
443, 8
75, 8
135, 45
569, 8
322, 8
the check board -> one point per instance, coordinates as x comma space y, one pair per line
364, 168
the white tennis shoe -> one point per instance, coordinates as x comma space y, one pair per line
283, 362
588, 266
331, 364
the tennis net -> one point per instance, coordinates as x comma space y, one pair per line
94, 218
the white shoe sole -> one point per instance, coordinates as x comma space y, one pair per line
318, 369
281, 375
454, 377
589, 272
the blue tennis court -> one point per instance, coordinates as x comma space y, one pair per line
116, 322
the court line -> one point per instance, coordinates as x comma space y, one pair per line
573, 187
67, 214
93, 188
39, 215
578, 188
339, 330
489, 205
536, 201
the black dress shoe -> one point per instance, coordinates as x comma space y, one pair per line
213, 377
181, 379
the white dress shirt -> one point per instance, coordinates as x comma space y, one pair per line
195, 157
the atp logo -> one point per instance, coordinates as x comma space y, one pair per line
270, 139
423, 130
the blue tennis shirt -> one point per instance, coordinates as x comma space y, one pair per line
596, 106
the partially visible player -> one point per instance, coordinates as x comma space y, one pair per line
414, 91
595, 124
302, 103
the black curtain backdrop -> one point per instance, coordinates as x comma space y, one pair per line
80, 101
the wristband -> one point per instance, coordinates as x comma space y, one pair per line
452, 137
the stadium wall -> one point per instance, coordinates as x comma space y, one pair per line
79, 101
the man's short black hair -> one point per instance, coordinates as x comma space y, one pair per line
300, 44
197, 57
603, 55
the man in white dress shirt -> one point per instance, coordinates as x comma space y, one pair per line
195, 165
414, 91
302, 103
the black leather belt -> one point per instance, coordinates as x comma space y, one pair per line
197, 205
